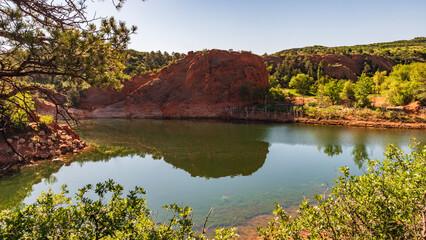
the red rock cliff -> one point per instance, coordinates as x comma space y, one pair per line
341, 66
201, 85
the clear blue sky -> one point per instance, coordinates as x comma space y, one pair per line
266, 25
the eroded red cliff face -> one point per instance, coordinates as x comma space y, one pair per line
341, 66
200, 85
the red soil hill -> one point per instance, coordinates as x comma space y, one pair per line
200, 85
341, 66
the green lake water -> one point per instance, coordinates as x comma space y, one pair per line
238, 169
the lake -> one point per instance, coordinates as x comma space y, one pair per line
239, 169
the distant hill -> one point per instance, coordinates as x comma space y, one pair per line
345, 62
403, 51
143, 62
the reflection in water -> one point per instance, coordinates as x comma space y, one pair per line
240, 169
331, 149
17, 184
202, 149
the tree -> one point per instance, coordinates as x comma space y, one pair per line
302, 83
405, 84
363, 88
54, 38
378, 79
320, 70
333, 89
348, 90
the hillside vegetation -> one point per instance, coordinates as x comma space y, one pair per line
352, 75
403, 51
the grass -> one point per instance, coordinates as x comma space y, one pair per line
296, 94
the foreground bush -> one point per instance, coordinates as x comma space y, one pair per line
387, 202
54, 217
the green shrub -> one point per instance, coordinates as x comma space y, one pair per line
332, 90
302, 83
387, 202
15, 111
406, 83
277, 94
54, 217
348, 90
45, 120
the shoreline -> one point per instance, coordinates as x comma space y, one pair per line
379, 124
301, 120
363, 123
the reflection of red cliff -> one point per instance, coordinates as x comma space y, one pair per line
201, 85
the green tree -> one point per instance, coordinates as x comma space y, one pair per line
348, 90
55, 38
363, 88
320, 70
405, 84
378, 79
302, 83
333, 89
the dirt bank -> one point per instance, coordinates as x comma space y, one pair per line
362, 123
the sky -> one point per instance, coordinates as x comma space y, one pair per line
265, 26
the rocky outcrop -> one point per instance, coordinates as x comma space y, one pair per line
200, 85
39, 142
341, 66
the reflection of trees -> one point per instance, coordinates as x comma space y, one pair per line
332, 149
204, 149
17, 185
328, 139
359, 151
360, 154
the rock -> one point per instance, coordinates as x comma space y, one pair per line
44, 155
38, 145
413, 107
30, 145
50, 142
200, 85
10, 141
70, 131
64, 148
42, 133
43, 147
21, 141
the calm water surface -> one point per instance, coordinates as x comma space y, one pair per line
238, 169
